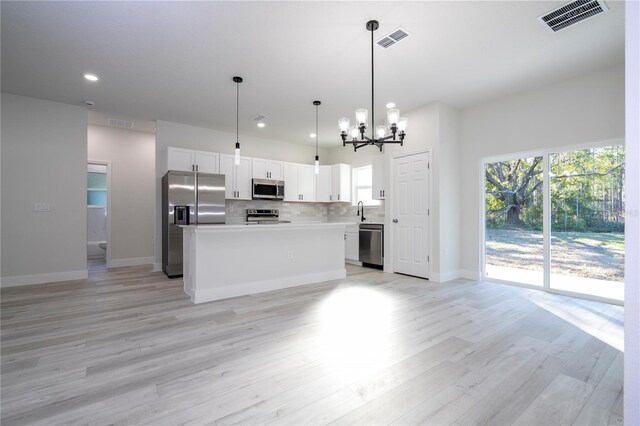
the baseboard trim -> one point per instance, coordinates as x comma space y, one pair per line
353, 262
157, 267
133, 261
51, 277
234, 290
470, 275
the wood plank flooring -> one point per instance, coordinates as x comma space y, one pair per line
127, 347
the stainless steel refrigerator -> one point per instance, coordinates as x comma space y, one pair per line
188, 198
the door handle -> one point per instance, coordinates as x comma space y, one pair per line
395, 220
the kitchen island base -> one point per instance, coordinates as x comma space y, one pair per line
223, 261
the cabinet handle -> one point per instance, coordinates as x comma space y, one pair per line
330, 197
338, 197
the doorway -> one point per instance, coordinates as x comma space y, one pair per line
98, 216
410, 224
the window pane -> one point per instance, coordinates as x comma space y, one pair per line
365, 176
513, 221
97, 180
97, 198
587, 221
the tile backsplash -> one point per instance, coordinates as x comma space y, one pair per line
236, 211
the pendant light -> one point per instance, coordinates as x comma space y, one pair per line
237, 80
317, 162
396, 124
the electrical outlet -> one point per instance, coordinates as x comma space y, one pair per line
290, 254
41, 207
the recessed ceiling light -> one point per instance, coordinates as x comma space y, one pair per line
390, 105
312, 135
261, 125
91, 77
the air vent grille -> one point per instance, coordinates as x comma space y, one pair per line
393, 38
117, 122
572, 13
386, 42
258, 117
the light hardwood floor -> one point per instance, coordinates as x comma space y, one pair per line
128, 347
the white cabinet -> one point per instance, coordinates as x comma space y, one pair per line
299, 182
341, 183
207, 162
237, 178
267, 169
189, 160
351, 243
378, 178
324, 184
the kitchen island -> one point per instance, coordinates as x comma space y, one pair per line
223, 261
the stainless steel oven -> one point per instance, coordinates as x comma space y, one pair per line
267, 189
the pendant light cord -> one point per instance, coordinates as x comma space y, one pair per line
373, 115
316, 131
237, 112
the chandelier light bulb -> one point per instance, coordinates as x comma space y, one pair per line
381, 130
361, 116
237, 158
317, 165
343, 123
402, 124
392, 116
353, 131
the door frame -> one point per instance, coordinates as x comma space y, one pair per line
390, 199
546, 215
108, 165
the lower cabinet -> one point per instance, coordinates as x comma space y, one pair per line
351, 244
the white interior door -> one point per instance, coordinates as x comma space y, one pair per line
410, 215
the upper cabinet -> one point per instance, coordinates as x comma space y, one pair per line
299, 182
189, 160
341, 183
324, 184
267, 169
378, 179
237, 178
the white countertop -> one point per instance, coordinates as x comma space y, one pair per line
255, 227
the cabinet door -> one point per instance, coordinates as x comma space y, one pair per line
307, 182
259, 168
378, 175
324, 184
351, 247
243, 179
275, 169
180, 159
207, 162
227, 168
341, 186
291, 175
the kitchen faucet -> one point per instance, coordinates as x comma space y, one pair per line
358, 212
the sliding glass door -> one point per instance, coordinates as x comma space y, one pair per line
587, 221
513, 221
556, 221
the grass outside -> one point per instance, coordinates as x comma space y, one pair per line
582, 254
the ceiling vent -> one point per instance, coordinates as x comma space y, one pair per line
572, 13
393, 38
117, 122
258, 117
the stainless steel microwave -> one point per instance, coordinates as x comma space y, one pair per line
267, 189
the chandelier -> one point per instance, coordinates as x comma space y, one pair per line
395, 124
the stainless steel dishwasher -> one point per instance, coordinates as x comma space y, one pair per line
371, 245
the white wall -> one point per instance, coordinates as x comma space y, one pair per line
200, 138
632, 237
132, 158
44, 159
582, 110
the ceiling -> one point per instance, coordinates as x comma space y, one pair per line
174, 60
